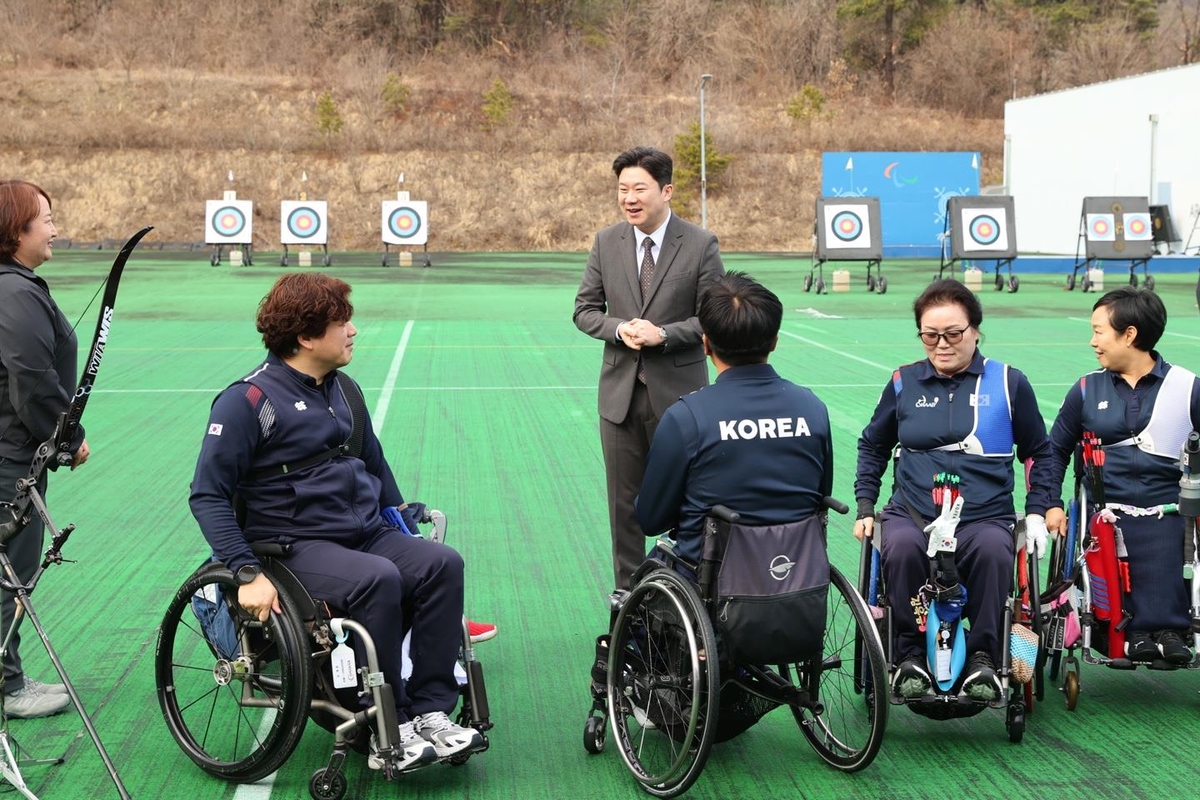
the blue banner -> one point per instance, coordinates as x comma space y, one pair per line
913, 189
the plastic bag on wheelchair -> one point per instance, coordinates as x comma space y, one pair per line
772, 588
216, 620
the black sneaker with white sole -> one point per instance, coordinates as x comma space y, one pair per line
911, 678
982, 683
1172, 648
1140, 646
447, 738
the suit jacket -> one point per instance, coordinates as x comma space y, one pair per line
609, 294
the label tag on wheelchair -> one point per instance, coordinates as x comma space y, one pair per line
942, 667
341, 660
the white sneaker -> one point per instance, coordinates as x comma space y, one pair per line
414, 752
46, 688
29, 703
447, 738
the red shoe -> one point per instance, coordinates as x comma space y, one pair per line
481, 631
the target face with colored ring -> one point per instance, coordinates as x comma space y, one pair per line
847, 226
1137, 227
406, 222
303, 222
228, 221
985, 230
1101, 228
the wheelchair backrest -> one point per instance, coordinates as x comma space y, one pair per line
770, 590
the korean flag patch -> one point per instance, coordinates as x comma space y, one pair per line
215, 429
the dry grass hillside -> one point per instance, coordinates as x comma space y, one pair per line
133, 112
117, 150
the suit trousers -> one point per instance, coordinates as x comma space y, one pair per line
625, 447
985, 558
25, 552
388, 581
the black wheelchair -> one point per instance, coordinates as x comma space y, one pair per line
1023, 656
670, 692
236, 693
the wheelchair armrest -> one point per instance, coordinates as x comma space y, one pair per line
666, 548
270, 549
725, 514
833, 504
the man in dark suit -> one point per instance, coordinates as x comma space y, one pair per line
639, 295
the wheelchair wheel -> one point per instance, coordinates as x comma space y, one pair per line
594, 734
235, 692
849, 685
1071, 689
321, 788
663, 684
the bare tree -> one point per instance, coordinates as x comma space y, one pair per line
1103, 51
1179, 33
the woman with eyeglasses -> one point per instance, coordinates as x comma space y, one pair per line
1142, 408
954, 412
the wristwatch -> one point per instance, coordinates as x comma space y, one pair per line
247, 574
663, 333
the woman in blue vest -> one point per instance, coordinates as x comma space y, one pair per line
960, 413
1143, 409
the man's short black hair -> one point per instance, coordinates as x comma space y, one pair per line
656, 162
1138, 308
741, 319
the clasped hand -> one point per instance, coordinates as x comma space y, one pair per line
639, 333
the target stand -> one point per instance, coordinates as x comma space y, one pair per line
405, 223
1192, 235
1114, 229
847, 229
981, 229
304, 222
229, 223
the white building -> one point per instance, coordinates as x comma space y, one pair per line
1134, 137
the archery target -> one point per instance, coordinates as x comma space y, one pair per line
228, 222
984, 230
303, 222
847, 226
981, 226
405, 222
1137, 227
848, 229
1101, 228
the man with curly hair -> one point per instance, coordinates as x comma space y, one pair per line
275, 439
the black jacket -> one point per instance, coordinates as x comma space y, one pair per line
38, 370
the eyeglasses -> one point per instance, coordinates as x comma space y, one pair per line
931, 337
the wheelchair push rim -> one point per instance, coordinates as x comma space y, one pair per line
845, 725
234, 694
663, 688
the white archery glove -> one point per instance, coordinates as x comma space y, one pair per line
941, 530
1036, 534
